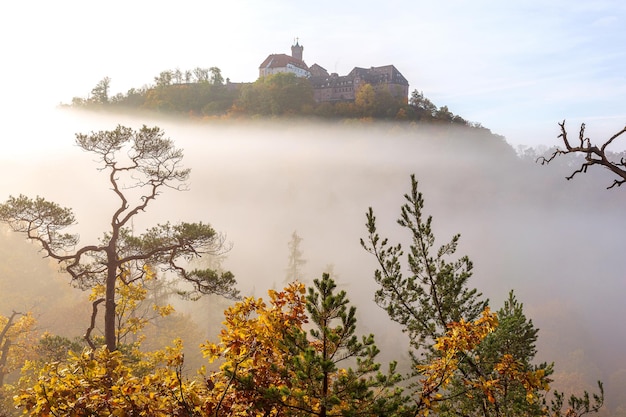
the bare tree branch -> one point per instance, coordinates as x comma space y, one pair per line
92, 323
594, 155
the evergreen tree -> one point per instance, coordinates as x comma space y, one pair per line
435, 293
273, 366
295, 262
435, 296
515, 336
323, 388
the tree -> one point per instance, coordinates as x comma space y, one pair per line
164, 78
576, 406
201, 74
216, 76
105, 383
492, 375
16, 335
365, 100
152, 163
295, 262
594, 155
386, 105
436, 388
323, 388
444, 114
68, 379
436, 293
272, 367
177, 76
100, 93
516, 336
276, 95
422, 105
17, 338
506, 354
461, 338
54, 348
132, 311
251, 347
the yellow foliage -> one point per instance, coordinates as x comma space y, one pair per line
103, 383
460, 340
131, 295
97, 292
250, 348
17, 337
163, 311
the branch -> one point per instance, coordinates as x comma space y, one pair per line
152, 157
594, 155
92, 325
577, 406
9, 323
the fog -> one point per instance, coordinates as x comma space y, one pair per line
557, 243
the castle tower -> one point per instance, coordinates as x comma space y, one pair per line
296, 50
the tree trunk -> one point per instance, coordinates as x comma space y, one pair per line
109, 304
3, 360
6, 345
325, 355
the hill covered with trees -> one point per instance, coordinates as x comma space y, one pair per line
203, 93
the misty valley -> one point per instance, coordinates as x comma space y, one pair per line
277, 258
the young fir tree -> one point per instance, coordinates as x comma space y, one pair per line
433, 296
273, 366
324, 388
435, 293
295, 262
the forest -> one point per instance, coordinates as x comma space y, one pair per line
113, 339
203, 93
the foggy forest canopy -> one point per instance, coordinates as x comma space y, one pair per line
260, 182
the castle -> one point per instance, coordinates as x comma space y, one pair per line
328, 88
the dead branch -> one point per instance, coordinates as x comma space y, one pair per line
92, 324
594, 155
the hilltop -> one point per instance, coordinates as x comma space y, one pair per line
203, 93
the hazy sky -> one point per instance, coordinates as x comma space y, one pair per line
517, 67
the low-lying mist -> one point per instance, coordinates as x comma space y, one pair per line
557, 243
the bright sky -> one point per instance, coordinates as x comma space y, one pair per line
518, 67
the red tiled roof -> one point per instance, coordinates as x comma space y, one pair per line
281, 61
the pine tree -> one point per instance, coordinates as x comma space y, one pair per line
324, 388
435, 296
436, 292
273, 366
295, 261
515, 336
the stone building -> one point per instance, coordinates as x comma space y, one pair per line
276, 63
333, 87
